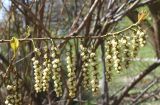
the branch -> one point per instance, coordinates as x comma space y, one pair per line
83, 23
31, 14
144, 3
134, 82
144, 91
75, 37
105, 94
119, 15
152, 94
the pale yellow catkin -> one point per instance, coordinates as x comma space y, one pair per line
94, 73
56, 68
37, 71
108, 60
71, 75
14, 96
85, 67
46, 71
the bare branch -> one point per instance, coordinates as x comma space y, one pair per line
134, 82
144, 91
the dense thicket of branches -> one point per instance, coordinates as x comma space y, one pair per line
50, 18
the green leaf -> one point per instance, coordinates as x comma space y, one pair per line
14, 43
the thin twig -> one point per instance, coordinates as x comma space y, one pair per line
74, 37
144, 91
136, 80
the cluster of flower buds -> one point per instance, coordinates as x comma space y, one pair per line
56, 66
138, 40
108, 60
37, 71
14, 97
46, 71
123, 51
141, 37
134, 45
115, 54
85, 66
127, 51
71, 74
94, 73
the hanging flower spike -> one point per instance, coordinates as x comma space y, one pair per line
120, 53
37, 71
134, 45
123, 52
85, 66
127, 52
71, 74
137, 40
108, 60
46, 71
141, 37
115, 58
56, 66
94, 73
14, 97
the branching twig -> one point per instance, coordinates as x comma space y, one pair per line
75, 37
144, 91
134, 82
152, 94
